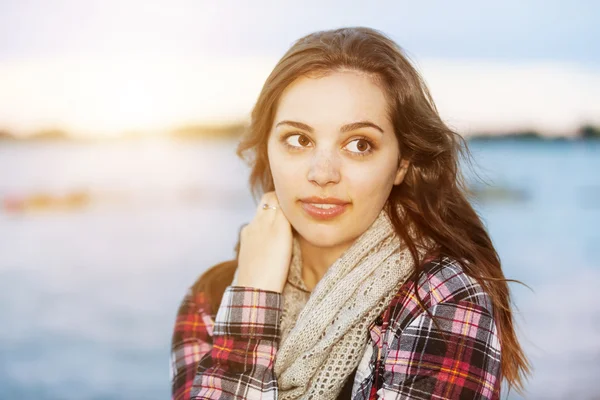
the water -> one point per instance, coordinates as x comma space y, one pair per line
88, 292
551, 242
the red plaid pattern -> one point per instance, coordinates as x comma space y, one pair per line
230, 355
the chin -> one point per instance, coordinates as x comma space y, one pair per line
322, 235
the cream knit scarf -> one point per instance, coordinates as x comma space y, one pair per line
324, 333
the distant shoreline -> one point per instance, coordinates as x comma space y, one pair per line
235, 130
585, 132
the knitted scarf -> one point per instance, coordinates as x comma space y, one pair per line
324, 333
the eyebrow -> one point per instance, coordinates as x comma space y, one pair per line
346, 128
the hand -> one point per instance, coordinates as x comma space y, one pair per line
265, 248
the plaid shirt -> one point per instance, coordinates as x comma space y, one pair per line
231, 355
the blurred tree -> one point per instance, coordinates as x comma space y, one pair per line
50, 134
589, 132
6, 135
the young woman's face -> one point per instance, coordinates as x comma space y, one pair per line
314, 150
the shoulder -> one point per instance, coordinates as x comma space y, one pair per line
454, 347
196, 308
194, 321
441, 280
446, 280
207, 290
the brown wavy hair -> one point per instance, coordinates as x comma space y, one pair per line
433, 195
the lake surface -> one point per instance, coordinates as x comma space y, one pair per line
89, 288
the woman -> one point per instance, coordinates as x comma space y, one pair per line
365, 272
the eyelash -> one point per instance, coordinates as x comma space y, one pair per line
359, 154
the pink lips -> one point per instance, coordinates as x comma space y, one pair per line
324, 213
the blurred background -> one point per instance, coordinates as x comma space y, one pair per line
119, 184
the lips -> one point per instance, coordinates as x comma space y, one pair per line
324, 208
324, 200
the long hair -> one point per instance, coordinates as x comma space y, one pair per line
433, 195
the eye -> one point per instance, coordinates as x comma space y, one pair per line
363, 146
301, 140
298, 141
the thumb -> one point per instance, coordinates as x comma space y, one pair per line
239, 241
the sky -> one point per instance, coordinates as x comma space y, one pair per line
106, 67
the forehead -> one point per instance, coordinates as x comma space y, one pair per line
337, 97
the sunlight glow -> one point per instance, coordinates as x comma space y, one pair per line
117, 95
108, 97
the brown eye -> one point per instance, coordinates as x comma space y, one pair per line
362, 146
302, 140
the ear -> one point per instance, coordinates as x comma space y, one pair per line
402, 168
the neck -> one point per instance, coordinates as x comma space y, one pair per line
317, 260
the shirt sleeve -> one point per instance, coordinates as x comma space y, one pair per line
245, 340
191, 340
458, 360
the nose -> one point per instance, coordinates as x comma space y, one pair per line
324, 167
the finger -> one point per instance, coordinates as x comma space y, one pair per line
268, 198
273, 200
264, 199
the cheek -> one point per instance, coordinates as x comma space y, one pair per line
370, 181
284, 174
280, 167
275, 162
